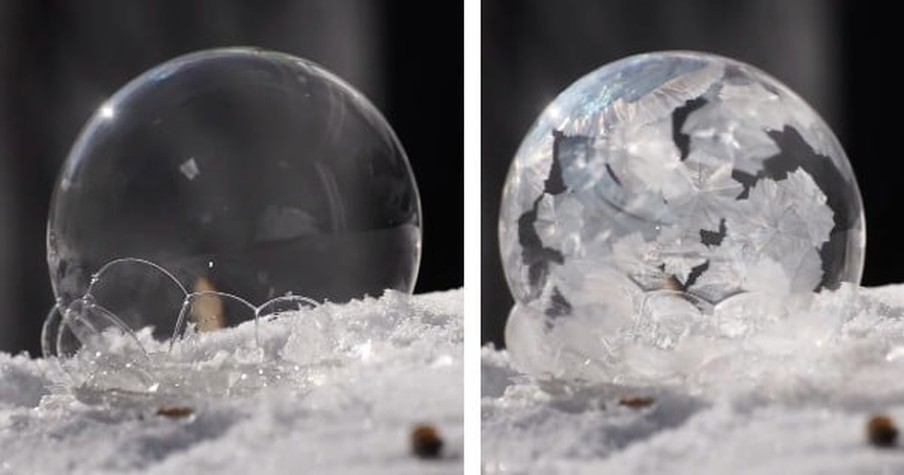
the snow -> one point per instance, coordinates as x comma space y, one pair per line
337, 389
780, 387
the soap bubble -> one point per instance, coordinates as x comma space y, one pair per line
657, 187
212, 186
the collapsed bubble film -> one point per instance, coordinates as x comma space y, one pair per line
103, 347
660, 185
219, 189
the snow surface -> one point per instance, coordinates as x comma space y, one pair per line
336, 389
790, 392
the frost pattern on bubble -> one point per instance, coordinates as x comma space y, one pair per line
674, 172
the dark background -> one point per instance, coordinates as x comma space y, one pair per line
59, 60
835, 54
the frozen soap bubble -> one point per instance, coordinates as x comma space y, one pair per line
213, 185
658, 187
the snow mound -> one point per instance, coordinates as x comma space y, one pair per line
772, 388
336, 389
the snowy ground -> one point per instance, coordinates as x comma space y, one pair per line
792, 396
333, 390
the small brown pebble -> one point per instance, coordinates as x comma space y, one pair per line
881, 431
426, 442
636, 402
175, 412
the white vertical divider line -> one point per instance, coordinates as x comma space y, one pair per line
472, 196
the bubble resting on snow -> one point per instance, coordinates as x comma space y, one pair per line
661, 185
239, 170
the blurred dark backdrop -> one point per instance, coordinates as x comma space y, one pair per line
834, 54
59, 60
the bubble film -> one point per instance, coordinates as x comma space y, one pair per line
219, 181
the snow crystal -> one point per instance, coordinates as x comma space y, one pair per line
334, 389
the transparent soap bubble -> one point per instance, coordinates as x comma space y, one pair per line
660, 186
213, 186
